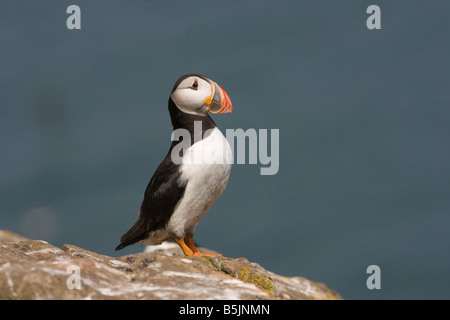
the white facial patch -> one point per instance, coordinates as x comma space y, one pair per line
191, 100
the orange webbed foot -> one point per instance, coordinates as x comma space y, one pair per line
209, 255
189, 249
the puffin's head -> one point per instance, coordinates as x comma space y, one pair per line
197, 94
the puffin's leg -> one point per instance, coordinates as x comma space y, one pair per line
186, 250
189, 241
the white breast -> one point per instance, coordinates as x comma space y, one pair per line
206, 167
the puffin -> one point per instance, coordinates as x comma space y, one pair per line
194, 173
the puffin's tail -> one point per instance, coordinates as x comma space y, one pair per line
121, 246
136, 233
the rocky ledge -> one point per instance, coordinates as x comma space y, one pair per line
34, 269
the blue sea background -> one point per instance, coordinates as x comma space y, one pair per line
363, 117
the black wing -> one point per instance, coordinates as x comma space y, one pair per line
161, 196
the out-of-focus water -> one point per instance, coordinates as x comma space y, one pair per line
363, 117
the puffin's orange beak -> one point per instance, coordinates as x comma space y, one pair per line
219, 102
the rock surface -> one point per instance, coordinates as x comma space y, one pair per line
34, 269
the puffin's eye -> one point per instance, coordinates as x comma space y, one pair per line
195, 85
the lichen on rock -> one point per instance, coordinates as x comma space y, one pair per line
246, 271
